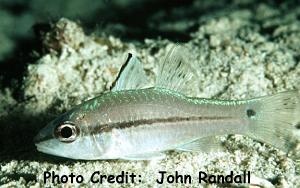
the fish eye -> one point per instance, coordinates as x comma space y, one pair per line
66, 132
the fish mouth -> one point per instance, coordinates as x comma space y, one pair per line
48, 147
42, 140
41, 148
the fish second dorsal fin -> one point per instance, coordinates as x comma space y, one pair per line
131, 75
176, 72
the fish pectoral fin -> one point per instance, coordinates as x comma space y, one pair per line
206, 144
145, 156
177, 72
131, 75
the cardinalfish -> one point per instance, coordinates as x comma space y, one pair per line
134, 121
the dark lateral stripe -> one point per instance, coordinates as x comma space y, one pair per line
128, 124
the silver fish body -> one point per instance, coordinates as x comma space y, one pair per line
137, 124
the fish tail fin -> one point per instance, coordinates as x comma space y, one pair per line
276, 120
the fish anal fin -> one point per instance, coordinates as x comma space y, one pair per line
145, 156
206, 144
131, 75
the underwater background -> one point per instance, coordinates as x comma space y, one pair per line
55, 54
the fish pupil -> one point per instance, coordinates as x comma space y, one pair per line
66, 132
251, 113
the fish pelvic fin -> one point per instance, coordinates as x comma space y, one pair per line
276, 120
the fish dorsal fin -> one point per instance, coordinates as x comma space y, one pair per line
206, 144
176, 72
131, 75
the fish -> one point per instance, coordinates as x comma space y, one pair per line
135, 120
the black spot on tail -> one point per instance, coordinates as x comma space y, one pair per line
297, 125
250, 113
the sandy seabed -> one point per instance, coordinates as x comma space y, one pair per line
239, 53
